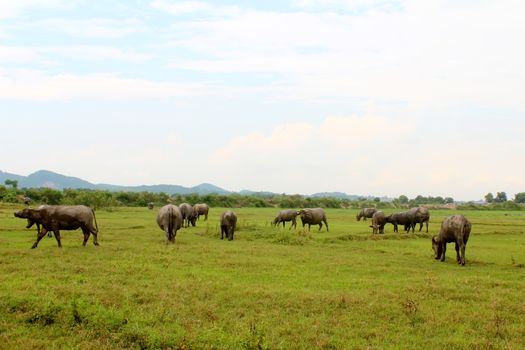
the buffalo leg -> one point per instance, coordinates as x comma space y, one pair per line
426, 223
320, 226
39, 237
458, 259
95, 237
294, 224
222, 232
326, 224
57, 236
395, 227
167, 236
309, 225
284, 224
86, 236
444, 248
462, 246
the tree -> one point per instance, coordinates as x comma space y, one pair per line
500, 197
403, 199
449, 200
489, 198
13, 183
519, 197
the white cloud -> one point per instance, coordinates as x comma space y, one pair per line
424, 54
101, 28
367, 155
192, 7
14, 8
36, 86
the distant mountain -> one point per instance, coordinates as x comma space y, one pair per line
45, 178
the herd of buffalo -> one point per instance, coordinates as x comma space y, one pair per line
170, 218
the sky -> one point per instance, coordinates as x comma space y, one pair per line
377, 97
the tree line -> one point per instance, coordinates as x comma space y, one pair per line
106, 199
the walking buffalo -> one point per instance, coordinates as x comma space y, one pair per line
313, 216
61, 217
228, 224
286, 215
201, 209
455, 229
365, 213
378, 222
169, 220
188, 215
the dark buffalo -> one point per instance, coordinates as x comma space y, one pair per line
365, 213
27, 200
151, 205
405, 218
201, 209
455, 229
313, 216
228, 224
286, 215
421, 215
169, 220
30, 223
62, 217
188, 215
378, 222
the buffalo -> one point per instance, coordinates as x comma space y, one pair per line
421, 215
61, 217
314, 216
201, 209
151, 205
188, 215
169, 220
286, 215
378, 222
405, 218
228, 224
365, 213
455, 229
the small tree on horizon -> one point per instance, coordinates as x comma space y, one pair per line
500, 197
12, 183
519, 197
489, 197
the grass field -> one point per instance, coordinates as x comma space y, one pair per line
268, 289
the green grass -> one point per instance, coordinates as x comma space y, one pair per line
268, 289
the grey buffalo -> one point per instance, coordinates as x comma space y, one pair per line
421, 215
284, 216
169, 220
365, 213
313, 216
405, 218
151, 205
228, 224
188, 215
454, 229
30, 222
378, 222
201, 209
62, 217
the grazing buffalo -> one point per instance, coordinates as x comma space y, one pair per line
27, 200
151, 205
201, 209
455, 229
365, 213
405, 218
286, 215
62, 217
313, 216
228, 224
169, 220
421, 215
188, 215
378, 222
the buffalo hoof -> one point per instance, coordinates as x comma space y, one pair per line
96, 243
